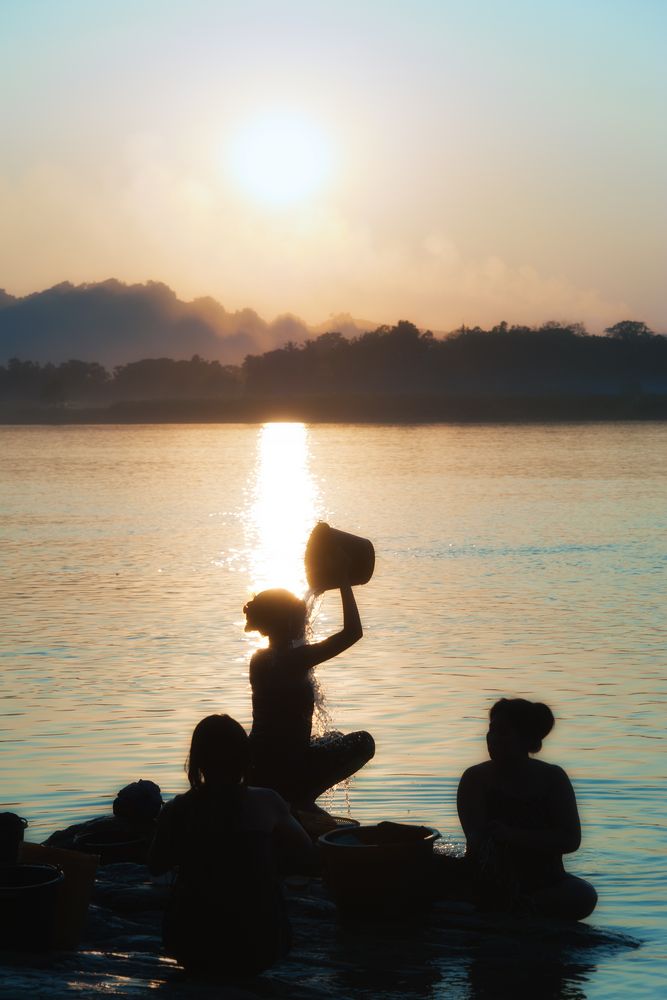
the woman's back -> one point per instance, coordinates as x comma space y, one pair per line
283, 700
226, 911
528, 804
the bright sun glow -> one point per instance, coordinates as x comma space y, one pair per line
280, 159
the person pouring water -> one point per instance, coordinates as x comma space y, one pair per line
284, 754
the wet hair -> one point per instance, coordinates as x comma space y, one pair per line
219, 752
532, 720
277, 612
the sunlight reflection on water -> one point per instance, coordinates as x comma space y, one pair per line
284, 507
527, 561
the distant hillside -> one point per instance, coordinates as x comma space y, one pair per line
113, 323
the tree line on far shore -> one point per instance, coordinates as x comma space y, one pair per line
391, 360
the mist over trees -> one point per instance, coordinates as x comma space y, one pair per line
113, 323
389, 363
141, 342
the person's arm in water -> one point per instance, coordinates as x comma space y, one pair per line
317, 652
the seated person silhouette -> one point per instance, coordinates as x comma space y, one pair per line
226, 914
135, 810
519, 816
284, 755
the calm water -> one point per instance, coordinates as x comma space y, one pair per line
511, 560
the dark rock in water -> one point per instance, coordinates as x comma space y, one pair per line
447, 947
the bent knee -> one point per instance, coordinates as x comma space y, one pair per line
367, 744
587, 898
576, 899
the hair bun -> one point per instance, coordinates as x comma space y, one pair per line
532, 720
542, 719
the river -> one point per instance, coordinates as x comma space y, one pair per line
511, 560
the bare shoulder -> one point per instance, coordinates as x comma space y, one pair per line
558, 774
268, 801
550, 774
259, 661
260, 656
266, 796
175, 806
545, 768
476, 774
302, 657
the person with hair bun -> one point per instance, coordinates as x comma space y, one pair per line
226, 915
520, 817
284, 754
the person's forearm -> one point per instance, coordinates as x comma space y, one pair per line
351, 621
310, 655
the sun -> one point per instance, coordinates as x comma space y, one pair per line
280, 158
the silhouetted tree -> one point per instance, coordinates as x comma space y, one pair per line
629, 329
554, 358
164, 378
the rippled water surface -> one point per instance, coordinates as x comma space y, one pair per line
525, 561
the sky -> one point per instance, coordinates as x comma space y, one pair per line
431, 160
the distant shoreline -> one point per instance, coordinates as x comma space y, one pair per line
371, 409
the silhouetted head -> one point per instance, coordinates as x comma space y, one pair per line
219, 752
278, 614
517, 727
140, 801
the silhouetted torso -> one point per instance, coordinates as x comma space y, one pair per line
282, 709
529, 810
284, 756
528, 801
226, 910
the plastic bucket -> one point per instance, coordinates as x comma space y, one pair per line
75, 892
11, 836
317, 823
113, 846
321, 557
28, 898
369, 869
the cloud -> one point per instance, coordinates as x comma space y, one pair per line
113, 323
